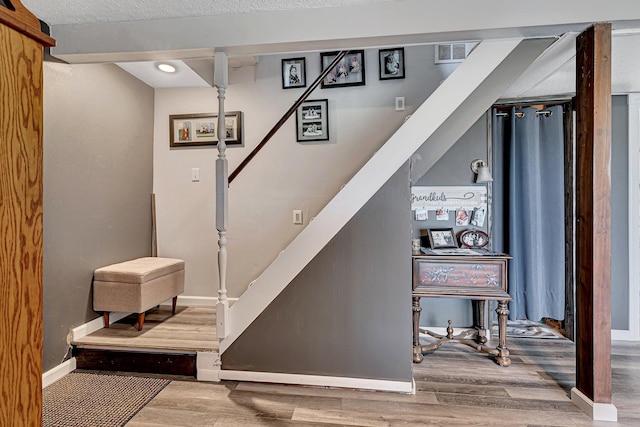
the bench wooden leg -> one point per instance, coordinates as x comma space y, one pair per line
175, 301
105, 316
140, 320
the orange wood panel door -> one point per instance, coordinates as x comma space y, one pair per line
21, 56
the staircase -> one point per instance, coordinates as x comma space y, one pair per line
430, 132
435, 126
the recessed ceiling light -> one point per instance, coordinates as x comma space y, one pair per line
167, 68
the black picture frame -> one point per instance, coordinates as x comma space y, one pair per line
391, 63
294, 73
350, 71
442, 238
312, 121
188, 130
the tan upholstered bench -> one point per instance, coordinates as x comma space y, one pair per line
136, 286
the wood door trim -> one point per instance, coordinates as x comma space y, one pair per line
22, 20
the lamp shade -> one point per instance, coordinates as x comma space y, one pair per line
483, 174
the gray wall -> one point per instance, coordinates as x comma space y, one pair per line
354, 297
619, 213
452, 169
98, 130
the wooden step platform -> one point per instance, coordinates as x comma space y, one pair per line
167, 345
143, 362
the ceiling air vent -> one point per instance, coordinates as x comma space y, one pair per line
453, 52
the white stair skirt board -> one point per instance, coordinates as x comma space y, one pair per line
445, 100
320, 381
53, 375
597, 411
208, 366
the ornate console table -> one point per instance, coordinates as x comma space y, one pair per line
479, 278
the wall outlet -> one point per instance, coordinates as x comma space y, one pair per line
297, 216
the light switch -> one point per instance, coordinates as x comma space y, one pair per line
297, 216
195, 174
399, 103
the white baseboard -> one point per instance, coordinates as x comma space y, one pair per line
53, 375
443, 330
193, 301
623, 335
597, 411
319, 381
94, 325
208, 366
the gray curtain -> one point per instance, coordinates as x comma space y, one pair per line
529, 209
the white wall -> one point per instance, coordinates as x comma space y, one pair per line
285, 175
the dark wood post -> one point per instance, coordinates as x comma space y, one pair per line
593, 229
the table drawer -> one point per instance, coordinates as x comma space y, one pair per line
459, 273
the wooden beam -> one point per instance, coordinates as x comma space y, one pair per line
569, 225
21, 250
593, 230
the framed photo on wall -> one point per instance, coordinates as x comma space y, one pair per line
187, 130
312, 121
294, 73
348, 72
391, 63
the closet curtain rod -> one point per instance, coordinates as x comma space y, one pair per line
544, 113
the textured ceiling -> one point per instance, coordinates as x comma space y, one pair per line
56, 12
60, 12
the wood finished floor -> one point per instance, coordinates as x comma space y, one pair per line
190, 329
455, 387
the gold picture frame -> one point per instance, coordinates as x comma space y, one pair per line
187, 130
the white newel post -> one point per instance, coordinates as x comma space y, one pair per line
222, 185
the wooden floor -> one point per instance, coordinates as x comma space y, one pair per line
190, 329
455, 387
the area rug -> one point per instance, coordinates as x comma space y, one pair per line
528, 329
97, 400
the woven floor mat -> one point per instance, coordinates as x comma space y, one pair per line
97, 400
529, 329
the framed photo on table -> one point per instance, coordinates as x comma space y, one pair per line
312, 121
348, 72
294, 73
474, 239
391, 62
442, 238
187, 130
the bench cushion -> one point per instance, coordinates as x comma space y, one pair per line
139, 270
137, 285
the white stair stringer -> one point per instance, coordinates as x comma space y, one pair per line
422, 125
